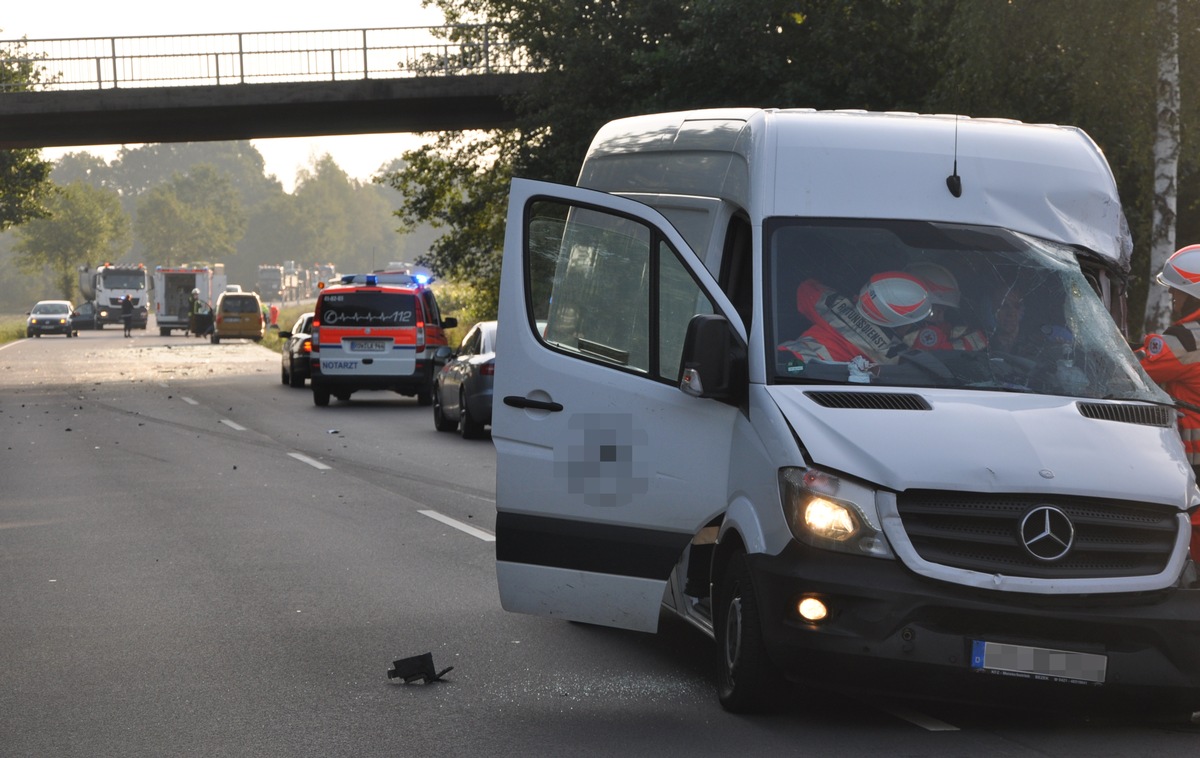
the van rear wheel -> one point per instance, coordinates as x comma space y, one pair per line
746, 680
320, 396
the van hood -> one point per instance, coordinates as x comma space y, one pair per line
986, 442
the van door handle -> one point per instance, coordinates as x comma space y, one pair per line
516, 401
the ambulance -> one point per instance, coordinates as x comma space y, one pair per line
376, 331
976, 491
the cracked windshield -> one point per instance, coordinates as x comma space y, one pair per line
922, 304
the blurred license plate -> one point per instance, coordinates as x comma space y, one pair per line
368, 346
1038, 662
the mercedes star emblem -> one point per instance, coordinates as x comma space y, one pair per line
1047, 533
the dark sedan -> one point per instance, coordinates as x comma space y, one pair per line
297, 350
462, 389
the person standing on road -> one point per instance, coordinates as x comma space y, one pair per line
194, 307
1172, 359
127, 315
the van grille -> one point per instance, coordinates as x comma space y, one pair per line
982, 532
1147, 415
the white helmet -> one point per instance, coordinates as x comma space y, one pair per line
894, 298
1182, 271
196, 292
941, 284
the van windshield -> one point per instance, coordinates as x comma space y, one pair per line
924, 304
363, 308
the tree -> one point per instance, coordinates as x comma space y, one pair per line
25, 186
1166, 164
85, 225
194, 217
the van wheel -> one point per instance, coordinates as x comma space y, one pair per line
425, 395
440, 422
469, 427
215, 339
164, 332
283, 376
320, 396
746, 680
343, 396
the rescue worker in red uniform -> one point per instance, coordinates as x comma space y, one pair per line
844, 328
939, 332
1172, 359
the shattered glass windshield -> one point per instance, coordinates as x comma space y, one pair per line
922, 304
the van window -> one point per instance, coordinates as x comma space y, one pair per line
240, 305
609, 289
993, 310
362, 308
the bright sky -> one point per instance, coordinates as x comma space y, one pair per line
359, 156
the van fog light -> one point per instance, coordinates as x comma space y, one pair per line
811, 609
828, 519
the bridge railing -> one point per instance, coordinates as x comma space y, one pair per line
257, 57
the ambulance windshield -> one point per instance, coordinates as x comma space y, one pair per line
908, 303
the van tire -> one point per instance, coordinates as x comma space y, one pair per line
320, 396
746, 680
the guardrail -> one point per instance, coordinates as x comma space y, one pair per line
256, 57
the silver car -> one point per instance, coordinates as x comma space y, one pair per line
462, 388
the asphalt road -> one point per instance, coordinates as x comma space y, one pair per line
197, 561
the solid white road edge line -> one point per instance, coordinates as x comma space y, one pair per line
485, 536
188, 400
233, 425
310, 461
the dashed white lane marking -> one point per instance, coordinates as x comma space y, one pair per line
310, 461
188, 400
928, 723
233, 425
485, 536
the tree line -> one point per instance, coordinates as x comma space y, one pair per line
170, 204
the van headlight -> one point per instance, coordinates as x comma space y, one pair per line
831, 513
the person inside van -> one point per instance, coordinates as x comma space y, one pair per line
942, 330
868, 327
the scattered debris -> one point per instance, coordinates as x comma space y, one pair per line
416, 667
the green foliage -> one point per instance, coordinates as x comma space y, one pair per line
86, 226
194, 217
24, 177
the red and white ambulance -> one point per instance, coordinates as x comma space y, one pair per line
376, 331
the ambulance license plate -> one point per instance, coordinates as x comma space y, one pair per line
368, 346
1038, 663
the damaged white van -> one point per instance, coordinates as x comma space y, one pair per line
844, 391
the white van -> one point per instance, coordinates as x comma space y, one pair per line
985, 494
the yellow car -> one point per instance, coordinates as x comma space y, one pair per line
238, 314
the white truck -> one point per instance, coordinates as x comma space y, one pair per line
107, 285
173, 287
731, 385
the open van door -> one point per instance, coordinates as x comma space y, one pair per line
599, 453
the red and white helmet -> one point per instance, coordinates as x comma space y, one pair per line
941, 284
1182, 271
894, 298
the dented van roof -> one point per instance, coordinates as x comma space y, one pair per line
1045, 180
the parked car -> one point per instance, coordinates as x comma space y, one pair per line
297, 352
50, 317
238, 314
462, 389
84, 317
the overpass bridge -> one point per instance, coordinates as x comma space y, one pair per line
195, 88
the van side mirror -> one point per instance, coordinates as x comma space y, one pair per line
449, 323
714, 359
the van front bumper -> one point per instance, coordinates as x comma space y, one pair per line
890, 630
